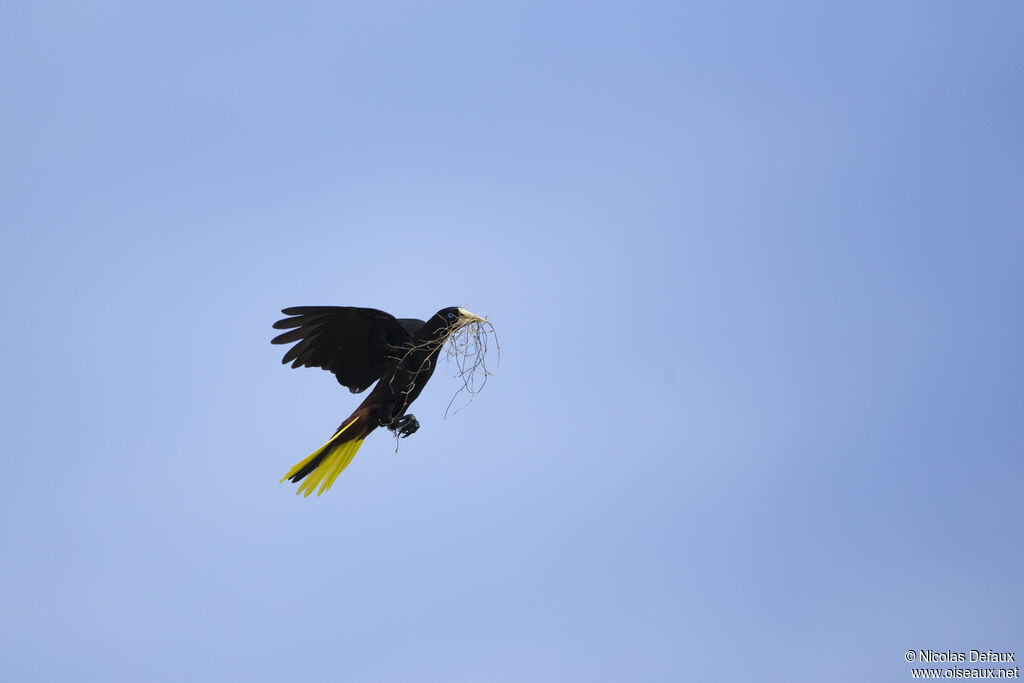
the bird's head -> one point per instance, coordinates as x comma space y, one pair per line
446, 322
456, 318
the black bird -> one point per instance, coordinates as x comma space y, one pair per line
361, 346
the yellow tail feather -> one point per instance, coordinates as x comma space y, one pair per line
337, 459
330, 468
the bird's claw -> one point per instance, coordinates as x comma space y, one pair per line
404, 426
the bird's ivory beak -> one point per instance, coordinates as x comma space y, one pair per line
465, 317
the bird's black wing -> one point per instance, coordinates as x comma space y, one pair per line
411, 325
350, 342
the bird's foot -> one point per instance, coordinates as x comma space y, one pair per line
404, 426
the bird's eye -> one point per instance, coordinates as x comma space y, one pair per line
451, 315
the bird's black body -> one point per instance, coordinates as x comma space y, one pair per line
362, 346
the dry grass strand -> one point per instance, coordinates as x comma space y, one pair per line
468, 347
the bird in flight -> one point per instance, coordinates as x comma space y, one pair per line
362, 346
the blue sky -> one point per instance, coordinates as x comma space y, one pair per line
756, 275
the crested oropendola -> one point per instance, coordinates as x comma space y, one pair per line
362, 346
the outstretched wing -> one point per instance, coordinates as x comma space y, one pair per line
350, 342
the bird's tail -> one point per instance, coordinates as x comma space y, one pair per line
324, 465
